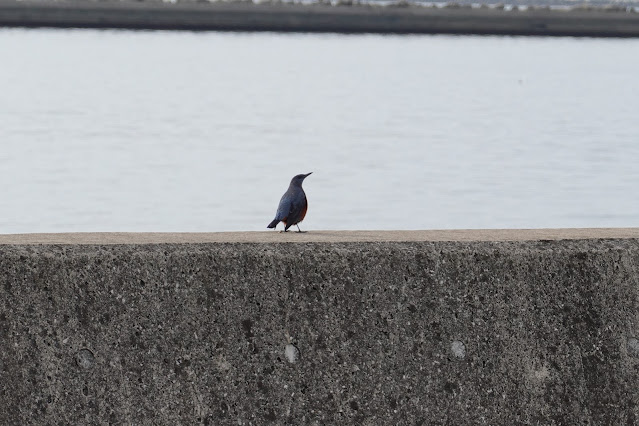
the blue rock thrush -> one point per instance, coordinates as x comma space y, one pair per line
293, 205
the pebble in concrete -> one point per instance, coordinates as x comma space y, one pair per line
292, 353
458, 348
633, 347
85, 359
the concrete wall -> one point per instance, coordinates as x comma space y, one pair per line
278, 329
246, 16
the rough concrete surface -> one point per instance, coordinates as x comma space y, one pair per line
321, 236
280, 16
465, 331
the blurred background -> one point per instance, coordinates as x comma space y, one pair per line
107, 130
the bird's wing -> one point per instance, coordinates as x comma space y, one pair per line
284, 208
295, 212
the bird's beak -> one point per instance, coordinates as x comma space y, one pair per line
307, 175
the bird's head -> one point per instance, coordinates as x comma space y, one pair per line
297, 180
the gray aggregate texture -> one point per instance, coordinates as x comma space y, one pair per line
416, 333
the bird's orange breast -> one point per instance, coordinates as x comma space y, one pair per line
303, 212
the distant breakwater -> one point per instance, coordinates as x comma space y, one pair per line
322, 17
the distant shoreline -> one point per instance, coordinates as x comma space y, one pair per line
289, 17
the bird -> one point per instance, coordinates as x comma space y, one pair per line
293, 205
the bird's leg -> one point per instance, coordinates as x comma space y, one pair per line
299, 230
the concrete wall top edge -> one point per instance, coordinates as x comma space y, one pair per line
457, 235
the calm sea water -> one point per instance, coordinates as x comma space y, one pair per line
179, 131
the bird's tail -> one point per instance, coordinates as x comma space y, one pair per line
273, 224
